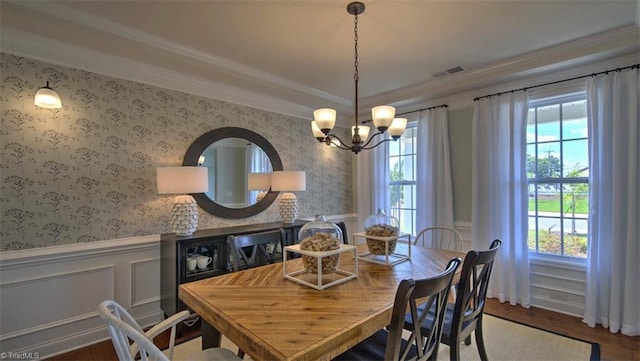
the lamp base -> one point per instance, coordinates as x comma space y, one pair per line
184, 215
288, 207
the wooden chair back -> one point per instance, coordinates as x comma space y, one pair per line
472, 292
424, 298
256, 249
441, 238
343, 229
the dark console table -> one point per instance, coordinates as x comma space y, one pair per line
208, 243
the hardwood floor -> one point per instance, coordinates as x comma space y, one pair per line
612, 346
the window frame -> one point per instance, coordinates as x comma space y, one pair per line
561, 180
412, 125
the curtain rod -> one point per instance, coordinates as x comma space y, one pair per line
635, 66
414, 111
429, 108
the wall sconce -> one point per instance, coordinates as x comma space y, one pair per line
47, 98
183, 180
288, 181
259, 182
201, 160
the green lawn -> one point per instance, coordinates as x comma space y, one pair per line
552, 204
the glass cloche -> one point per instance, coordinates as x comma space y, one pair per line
320, 235
381, 225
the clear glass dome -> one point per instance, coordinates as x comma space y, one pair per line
381, 225
320, 235
320, 225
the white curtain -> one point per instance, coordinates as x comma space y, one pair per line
613, 259
257, 161
499, 191
434, 194
373, 182
380, 178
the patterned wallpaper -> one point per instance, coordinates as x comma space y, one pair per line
86, 172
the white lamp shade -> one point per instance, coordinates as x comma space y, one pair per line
47, 98
325, 119
288, 181
363, 131
397, 127
259, 181
182, 180
317, 133
382, 116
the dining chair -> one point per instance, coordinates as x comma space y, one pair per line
123, 328
417, 296
343, 229
256, 249
441, 238
465, 316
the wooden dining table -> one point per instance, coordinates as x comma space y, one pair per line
272, 318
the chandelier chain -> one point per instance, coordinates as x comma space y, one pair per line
355, 47
355, 65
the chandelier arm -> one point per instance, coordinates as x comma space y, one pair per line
342, 144
371, 138
377, 144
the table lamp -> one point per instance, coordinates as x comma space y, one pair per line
259, 182
288, 181
182, 181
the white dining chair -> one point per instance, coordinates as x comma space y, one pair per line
441, 238
122, 328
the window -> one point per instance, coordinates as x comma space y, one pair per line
402, 182
558, 174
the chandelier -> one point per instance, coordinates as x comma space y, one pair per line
324, 119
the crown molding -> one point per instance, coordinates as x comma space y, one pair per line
44, 49
521, 66
218, 63
464, 99
258, 89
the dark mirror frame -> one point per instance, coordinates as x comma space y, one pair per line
203, 142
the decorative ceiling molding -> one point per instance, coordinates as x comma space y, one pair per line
464, 99
237, 83
578, 50
222, 64
60, 53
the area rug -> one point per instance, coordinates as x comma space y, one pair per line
504, 341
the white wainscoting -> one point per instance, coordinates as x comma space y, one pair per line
557, 285
48, 296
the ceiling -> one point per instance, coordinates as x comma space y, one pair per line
294, 56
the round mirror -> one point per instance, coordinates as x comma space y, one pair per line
233, 158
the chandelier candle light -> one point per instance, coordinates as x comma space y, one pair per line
324, 119
183, 180
288, 181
